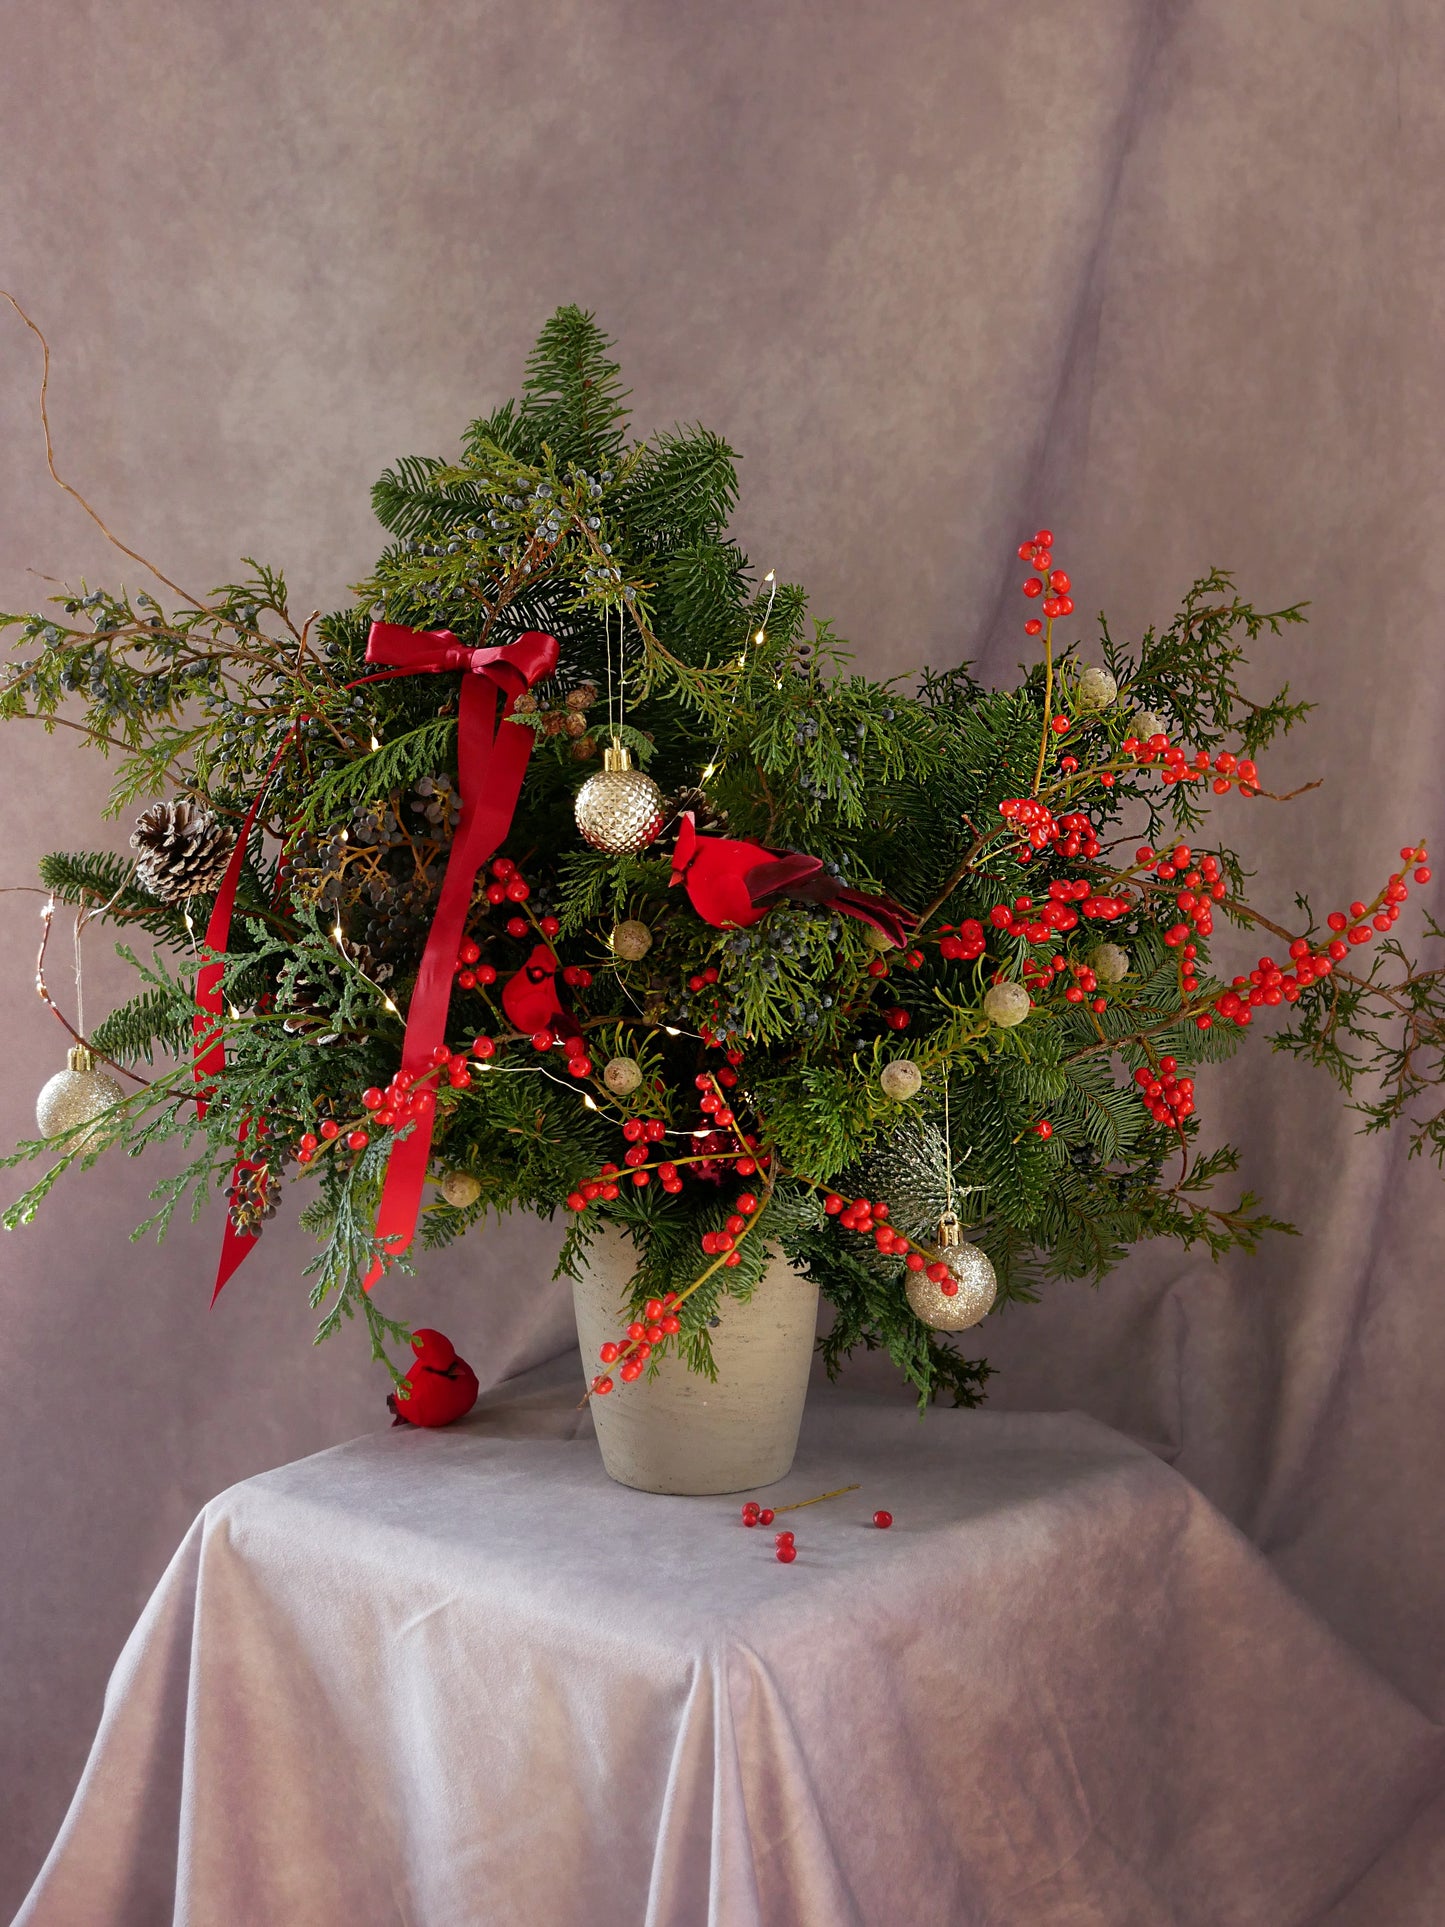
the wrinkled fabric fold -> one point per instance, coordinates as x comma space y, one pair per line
460, 1677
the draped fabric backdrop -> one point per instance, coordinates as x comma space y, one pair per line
1164, 276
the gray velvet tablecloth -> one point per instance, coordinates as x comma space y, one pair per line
460, 1677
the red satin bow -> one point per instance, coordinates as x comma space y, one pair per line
492, 754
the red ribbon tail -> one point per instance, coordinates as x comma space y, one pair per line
208, 1050
490, 766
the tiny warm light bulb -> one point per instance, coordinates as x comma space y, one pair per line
589, 1101
374, 743
671, 1032
391, 1006
769, 576
711, 770
760, 636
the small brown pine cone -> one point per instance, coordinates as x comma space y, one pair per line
182, 850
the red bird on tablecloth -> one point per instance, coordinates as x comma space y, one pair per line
439, 1388
530, 997
734, 883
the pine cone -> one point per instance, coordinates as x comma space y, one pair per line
706, 817
253, 1198
181, 850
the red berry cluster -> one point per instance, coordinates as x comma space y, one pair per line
1058, 602
1084, 985
1076, 836
1364, 920
1071, 835
911, 960
469, 970
639, 1132
407, 1096
1167, 1097
1269, 983
869, 1218
1036, 820
761, 1515
1177, 766
658, 1321
965, 944
723, 1244
508, 885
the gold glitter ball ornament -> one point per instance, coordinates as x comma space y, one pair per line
972, 1273
631, 940
1006, 1004
619, 810
900, 1079
73, 1097
460, 1189
622, 1075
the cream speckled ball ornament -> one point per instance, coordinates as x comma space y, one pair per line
1109, 963
460, 1189
900, 1079
622, 1075
619, 810
74, 1096
1096, 688
631, 940
1006, 1004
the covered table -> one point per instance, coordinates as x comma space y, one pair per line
456, 1677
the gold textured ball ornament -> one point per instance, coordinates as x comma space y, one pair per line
1006, 1004
74, 1097
900, 1080
619, 810
974, 1276
622, 1075
460, 1189
631, 940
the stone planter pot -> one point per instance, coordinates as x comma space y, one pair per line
681, 1432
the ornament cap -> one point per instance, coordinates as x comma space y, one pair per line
80, 1058
949, 1229
616, 756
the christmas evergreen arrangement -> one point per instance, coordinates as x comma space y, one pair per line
574, 868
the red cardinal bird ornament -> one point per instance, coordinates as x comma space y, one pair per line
732, 883
530, 997
439, 1389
